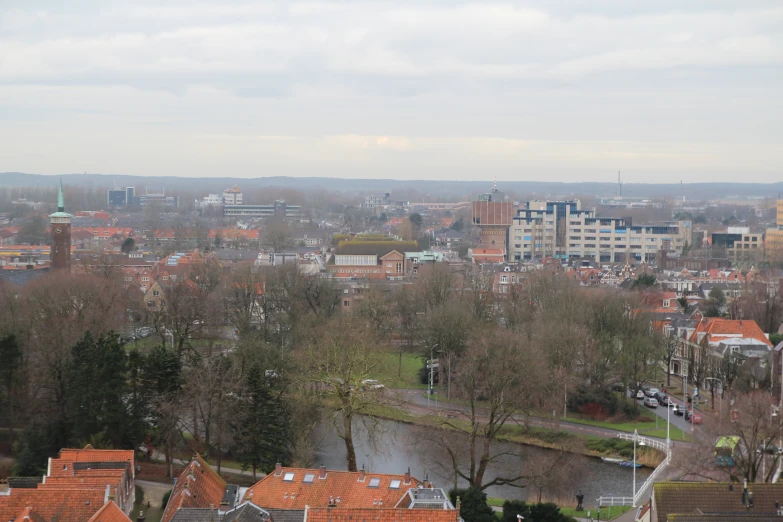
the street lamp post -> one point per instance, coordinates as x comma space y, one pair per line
641, 443
432, 370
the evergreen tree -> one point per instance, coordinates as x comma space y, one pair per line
473, 505
11, 356
263, 433
98, 390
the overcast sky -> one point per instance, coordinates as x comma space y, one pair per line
568, 90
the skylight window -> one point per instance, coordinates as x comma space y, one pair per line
309, 478
395, 484
288, 477
375, 482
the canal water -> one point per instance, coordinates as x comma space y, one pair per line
402, 446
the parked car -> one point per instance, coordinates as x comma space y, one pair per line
372, 384
639, 395
696, 417
650, 402
678, 410
652, 392
664, 399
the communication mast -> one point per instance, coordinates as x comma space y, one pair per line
619, 185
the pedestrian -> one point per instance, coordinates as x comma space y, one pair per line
589, 517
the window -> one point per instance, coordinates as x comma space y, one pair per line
395, 484
590, 230
309, 478
375, 482
589, 238
345, 290
346, 303
288, 477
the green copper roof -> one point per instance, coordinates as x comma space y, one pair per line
60, 202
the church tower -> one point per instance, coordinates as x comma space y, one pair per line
60, 224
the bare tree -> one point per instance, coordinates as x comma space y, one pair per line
497, 377
340, 357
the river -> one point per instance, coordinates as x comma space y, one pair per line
401, 447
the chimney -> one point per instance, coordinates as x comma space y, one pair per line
322, 472
408, 476
361, 474
141, 517
278, 469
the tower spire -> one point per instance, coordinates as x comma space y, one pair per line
60, 202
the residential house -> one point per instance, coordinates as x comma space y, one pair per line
346, 494
703, 338
8, 235
714, 502
78, 484
199, 486
155, 297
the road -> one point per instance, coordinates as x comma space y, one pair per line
417, 403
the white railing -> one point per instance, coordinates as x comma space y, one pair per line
655, 444
648, 483
614, 501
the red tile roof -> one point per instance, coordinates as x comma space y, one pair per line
110, 512
718, 329
199, 486
273, 492
381, 515
68, 505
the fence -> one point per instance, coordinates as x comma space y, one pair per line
615, 501
655, 444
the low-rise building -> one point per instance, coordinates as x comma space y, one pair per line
342, 496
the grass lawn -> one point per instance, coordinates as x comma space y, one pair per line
645, 428
406, 376
607, 513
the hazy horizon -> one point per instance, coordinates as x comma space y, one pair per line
569, 91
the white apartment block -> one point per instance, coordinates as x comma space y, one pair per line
564, 230
232, 196
214, 200
377, 199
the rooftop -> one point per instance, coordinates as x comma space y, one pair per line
295, 488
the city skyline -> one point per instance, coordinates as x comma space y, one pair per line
461, 91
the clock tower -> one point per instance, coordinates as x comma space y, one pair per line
60, 224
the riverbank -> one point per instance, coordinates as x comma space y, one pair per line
538, 436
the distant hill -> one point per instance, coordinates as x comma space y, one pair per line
441, 188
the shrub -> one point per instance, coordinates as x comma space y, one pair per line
139, 495
473, 505
546, 512
601, 401
165, 500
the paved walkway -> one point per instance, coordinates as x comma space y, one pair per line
417, 403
